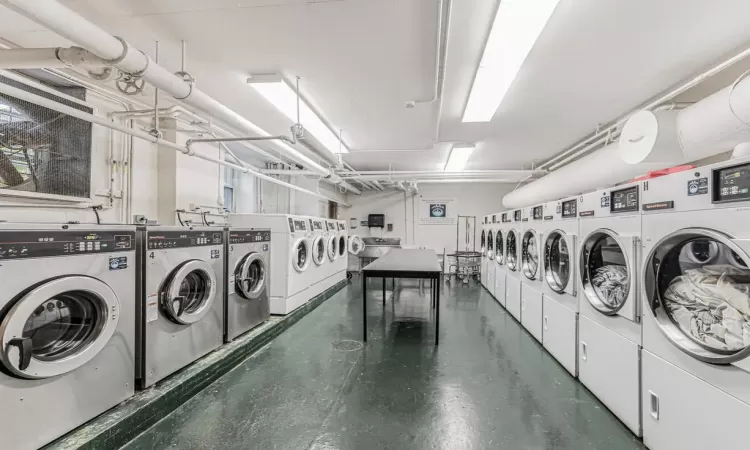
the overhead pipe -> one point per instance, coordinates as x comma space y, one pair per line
662, 99
72, 26
386, 173
64, 109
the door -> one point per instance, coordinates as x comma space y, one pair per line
560, 333
697, 286
499, 250
333, 247
319, 250
513, 296
250, 276
531, 311
511, 250
530, 255
342, 245
483, 242
608, 273
490, 246
559, 270
188, 292
57, 326
301, 255
355, 245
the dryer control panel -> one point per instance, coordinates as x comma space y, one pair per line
249, 236
158, 240
42, 244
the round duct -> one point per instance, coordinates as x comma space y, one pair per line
650, 137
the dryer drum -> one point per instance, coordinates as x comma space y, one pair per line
701, 302
250, 276
490, 244
530, 254
605, 272
188, 292
511, 250
319, 250
333, 247
557, 262
342, 245
499, 256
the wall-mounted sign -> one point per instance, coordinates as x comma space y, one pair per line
437, 211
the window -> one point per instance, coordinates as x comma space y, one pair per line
230, 178
42, 150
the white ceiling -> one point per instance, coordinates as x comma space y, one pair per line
361, 60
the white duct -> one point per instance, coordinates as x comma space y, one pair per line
651, 141
72, 26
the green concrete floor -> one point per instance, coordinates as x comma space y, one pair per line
488, 385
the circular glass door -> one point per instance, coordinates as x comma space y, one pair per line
483, 244
319, 250
333, 247
605, 271
58, 326
490, 246
342, 245
530, 254
698, 289
499, 255
557, 261
250, 276
355, 245
189, 291
511, 251
300, 255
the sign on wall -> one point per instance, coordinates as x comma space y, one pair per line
437, 211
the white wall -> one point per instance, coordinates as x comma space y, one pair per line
280, 200
471, 199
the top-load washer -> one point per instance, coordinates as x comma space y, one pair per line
180, 314
248, 278
609, 322
696, 317
498, 287
291, 257
532, 270
560, 301
513, 263
490, 256
67, 326
319, 270
483, 250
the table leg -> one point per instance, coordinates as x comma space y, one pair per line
364, 307
437, 309
384, 292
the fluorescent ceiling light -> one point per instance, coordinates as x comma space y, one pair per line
458, 158
281, 95
514, 32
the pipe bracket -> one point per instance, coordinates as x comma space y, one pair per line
125, 51
187, 78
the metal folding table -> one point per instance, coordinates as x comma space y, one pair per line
402, 263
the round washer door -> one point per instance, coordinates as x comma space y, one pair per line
58, 326
319, 250
333, 247
511, 250
499, 247
250, 276
530, 254
558, 262
189, 292
606, 271
301, 255
483, 245
342, 245
355, 245
490, 246
697, 285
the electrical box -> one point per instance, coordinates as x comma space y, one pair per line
376, 220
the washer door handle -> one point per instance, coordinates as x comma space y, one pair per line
25, 348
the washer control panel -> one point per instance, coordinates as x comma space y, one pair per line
158, 240
249, 236
42, 244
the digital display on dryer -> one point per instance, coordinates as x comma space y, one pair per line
300, 225
504, 218
624, 200
538, 212
517, 215
317, 225
731, 184
569, 209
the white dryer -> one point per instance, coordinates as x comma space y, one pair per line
609, 322
532, 270
291, 257
319, 268
513, 263
498, 287
560, 301
696, 318
483, 251
490, 255
342, 257
67, 327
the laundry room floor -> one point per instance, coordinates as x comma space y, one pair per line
488, 385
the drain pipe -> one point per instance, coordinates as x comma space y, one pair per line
70, 25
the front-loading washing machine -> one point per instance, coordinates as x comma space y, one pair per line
490, 256
559, 291
513, 263
180, 313
483, 250
696, 318
532, 270
342, 258
291, 257
248, 279
67, 326
609, 321
319, 269
332, 249
498, 287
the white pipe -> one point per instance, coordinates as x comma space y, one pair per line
378, 185
386, 173
55, 106
72, 26
741, 150
477, 180
650, 105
